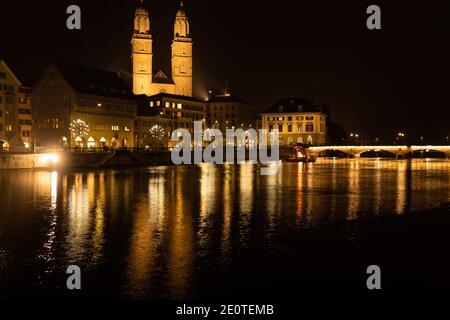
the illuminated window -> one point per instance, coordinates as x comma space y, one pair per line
115, 128
152, 103
309, 127
127, 129
179, 106
280, 118
167, 104
8, 128
158, 103
299, 128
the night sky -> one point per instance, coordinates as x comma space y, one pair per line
377, 82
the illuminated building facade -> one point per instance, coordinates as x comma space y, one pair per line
100, 99
15, 112
229, 112
144, 80
298, 121
170, 111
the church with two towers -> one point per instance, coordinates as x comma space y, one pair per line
145, 80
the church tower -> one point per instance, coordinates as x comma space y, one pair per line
182, 54
142, 53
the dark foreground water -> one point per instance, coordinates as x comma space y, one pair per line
227, 232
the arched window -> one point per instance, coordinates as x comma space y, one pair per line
91, 142
310, 140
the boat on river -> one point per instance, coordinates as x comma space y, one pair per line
301, 153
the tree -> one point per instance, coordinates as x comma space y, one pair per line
156, 134
79, 129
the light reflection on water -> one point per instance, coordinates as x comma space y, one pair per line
148, 232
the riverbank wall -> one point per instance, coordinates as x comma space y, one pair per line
9, 161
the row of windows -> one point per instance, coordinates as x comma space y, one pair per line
9, 99
26, 134
25, 122
101, 106
218, 115
291, 118
8, 127
222, 108
174, 105
6, 87
53, 123
24, 111
105, 127
299, 128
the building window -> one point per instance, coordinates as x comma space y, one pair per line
152, 103
299, 118
280, 128
179, 106
289, 118
158, 103
8, 128
22, 100
309, 118
167, 104
299, 108
299, 128
309, 127
280, 109
68, 102
115, 128
280, 118
289, 127
127, 129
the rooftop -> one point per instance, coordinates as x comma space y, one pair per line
175, 97
227, 99
94, 81
293, 105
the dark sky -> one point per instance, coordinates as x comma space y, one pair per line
377, 82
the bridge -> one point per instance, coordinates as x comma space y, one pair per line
398, 151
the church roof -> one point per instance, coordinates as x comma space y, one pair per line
293, 105
88, 80
160, 77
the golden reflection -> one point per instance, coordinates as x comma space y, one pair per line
245, 199
401, 187
228, 200
79, 219
354, 192
181, 252
146, 234
299, 191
